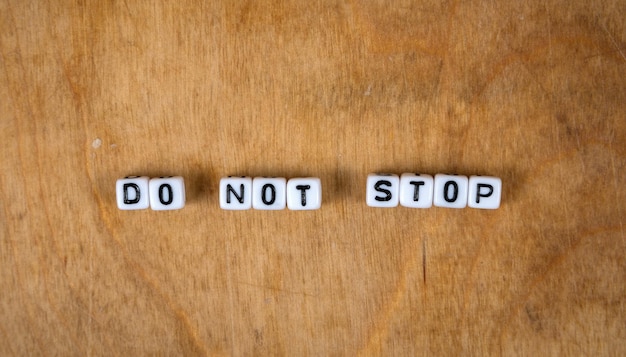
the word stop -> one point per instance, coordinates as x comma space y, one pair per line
422, 191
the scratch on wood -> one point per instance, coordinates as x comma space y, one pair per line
229, 278
613, 42
276, 289
424, 261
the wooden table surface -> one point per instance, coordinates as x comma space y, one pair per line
532, 92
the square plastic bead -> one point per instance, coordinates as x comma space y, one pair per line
167, 193
484, 192
304, 193
382, 190
416, 190
132, 193
236, 193
450, 191
269, 193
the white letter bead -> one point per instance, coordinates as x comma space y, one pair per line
484, 192
450, 191
132, 193
269, 193
382, 190
167, 193
416, 191
236, 193
304, 193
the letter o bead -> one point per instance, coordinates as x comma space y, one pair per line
450, 191
269, 193
382, 190
132, 193
167, 193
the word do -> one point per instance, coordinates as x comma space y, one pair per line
141, 192
422, 191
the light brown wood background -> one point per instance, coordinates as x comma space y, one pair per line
533, 92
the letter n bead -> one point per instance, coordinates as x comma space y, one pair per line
484, 192
304, 193
132, 193
236, 193
167, 193
382, 190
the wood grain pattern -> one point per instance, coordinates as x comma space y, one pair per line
532, 92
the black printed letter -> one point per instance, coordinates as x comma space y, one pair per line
479, 194
303, 189
385, 191
137, 193
417, 184
170, 195
455, 192
230, 189
272, 191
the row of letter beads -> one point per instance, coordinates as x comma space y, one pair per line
274, 193
422, 191
141, 192
270, 193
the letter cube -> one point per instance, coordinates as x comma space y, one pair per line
304, 193
269, 193
484, 192
450, 191
236, 193
416, 190
167, 193
132, 193
382, 190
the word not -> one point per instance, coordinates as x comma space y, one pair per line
422, 191
270, 193
141, 192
